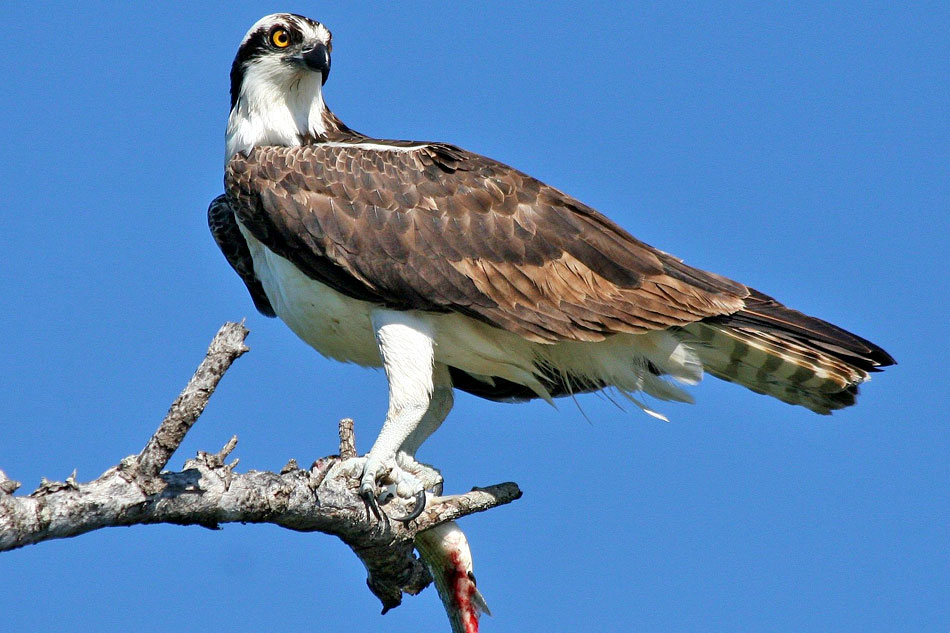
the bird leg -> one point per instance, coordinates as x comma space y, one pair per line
439, 406
408, 353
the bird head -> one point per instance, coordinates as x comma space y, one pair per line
281, 53
277, 83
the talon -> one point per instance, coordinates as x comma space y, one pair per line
373, 508
372, 505
416, 510
367, 493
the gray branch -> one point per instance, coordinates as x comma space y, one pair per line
226, 347
209, 492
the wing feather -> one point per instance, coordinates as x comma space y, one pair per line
440, 229
227, 235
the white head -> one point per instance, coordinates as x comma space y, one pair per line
276, 83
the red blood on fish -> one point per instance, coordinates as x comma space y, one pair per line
462, 591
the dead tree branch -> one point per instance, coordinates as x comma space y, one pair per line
209, 492
226, 347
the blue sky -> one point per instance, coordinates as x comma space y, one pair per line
803, 151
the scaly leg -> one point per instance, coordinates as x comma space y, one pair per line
439, 406
407, 350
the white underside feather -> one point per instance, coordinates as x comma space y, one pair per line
341, 328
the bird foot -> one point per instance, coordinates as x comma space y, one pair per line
383, 480
428, 476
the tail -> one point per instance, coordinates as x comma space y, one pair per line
783, 353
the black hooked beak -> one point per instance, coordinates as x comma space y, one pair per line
317, 59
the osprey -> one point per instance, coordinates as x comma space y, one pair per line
453, 271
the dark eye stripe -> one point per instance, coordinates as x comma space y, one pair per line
255, 45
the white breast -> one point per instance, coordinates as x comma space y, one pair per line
335, 325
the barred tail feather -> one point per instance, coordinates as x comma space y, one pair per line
783, 353
787, 371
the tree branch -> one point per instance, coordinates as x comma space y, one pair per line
209, 492
226, 347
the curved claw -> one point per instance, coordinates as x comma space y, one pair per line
373, 507
416, 510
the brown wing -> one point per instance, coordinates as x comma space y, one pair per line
227, 235
441, 229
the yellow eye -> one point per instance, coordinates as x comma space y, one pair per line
280, 38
